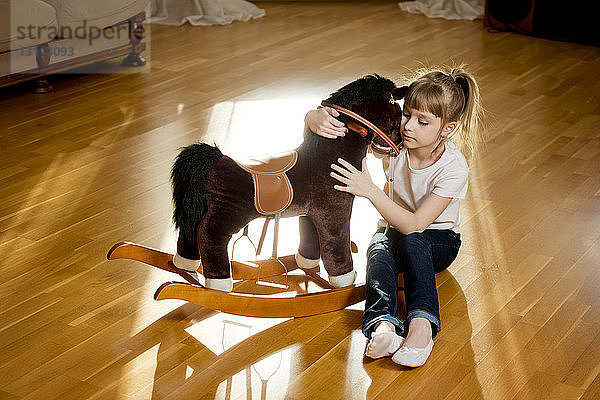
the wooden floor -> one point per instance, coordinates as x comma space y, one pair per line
88, 165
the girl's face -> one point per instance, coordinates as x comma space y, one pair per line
421, 129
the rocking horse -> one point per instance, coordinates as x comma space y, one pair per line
216, 196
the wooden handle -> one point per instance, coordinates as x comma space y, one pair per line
353, 126
366, 122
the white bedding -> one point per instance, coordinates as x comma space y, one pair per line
448, 9
203, 12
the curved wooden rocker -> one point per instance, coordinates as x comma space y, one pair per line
282, 305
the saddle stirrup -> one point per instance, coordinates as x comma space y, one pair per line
247, 236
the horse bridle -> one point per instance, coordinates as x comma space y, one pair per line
393, 149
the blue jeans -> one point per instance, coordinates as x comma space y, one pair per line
419, 256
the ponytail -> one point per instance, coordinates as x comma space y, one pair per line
470, 134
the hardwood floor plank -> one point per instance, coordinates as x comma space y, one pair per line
538, 387
482, 378
562, 391
586, 367
593, 390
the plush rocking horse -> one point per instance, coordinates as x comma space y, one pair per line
216, 196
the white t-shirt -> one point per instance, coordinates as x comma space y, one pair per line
447, 177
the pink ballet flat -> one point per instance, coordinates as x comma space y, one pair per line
394, 342
412, 357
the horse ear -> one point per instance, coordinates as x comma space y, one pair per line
400, 92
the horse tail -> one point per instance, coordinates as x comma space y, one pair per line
189, 178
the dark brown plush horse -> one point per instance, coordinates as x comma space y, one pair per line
213, 195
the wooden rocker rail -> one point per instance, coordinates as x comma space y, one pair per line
239, 270
283, 305
271, 306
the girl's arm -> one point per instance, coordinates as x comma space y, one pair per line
322, 122
359, 183
407, 222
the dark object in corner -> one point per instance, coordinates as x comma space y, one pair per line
571, 21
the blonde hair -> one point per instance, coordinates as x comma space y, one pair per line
451, 96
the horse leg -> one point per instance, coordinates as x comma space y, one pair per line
187, 256
212, 242
309, 251
221, 221
334, 236
229, 207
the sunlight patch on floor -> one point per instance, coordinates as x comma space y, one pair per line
136, 374
188, 372
223, 331
357, 379
146, 315
487, 249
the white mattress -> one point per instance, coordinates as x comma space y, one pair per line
16, 18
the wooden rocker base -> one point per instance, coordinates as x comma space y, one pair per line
282, 305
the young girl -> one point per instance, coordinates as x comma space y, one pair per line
423, 237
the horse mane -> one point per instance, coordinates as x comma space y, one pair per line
369, 87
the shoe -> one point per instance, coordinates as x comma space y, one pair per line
387, 344
412, 357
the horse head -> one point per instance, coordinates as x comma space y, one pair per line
375, 99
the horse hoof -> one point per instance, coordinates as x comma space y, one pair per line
222, 285
346, 279
306, 263
185, 263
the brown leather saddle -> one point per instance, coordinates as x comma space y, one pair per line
273, 191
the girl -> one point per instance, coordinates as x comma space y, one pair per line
423, 234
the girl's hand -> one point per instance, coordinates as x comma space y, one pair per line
359, 183
323, 123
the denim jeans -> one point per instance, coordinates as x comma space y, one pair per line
419, 256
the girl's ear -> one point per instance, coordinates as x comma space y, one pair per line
450, 126
400, 92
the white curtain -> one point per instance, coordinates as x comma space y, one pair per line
448, 9
202, 12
